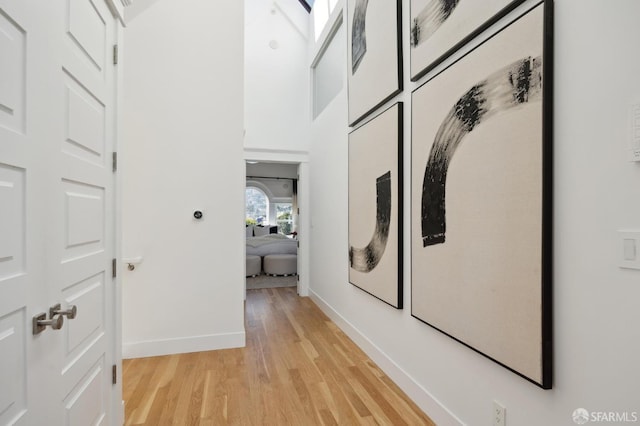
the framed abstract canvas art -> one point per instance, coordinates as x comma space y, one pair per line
481, 197
374, 55
439, 28
375, 206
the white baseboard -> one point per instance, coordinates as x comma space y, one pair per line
430, 405
182, 345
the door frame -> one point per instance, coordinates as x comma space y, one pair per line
117, 402
117, 8
304, 220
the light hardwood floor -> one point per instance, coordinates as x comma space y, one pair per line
298, 368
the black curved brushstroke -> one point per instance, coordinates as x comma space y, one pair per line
306, 5
509, 87
430, 18
448, 6
366, 259
358, 34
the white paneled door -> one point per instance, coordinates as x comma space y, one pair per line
57, 122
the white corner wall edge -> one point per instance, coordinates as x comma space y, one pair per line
427, 402
209, 342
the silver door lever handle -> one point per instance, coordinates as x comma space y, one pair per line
56, 309
40, 323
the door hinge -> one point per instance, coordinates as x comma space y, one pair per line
114, 271
114, 159
115, 54
114, 374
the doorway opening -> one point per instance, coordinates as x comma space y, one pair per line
271, 224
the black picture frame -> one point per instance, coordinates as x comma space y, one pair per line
374, 56
376, 206
439, 50
451, 257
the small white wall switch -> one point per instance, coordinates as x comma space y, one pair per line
499, 414
629, 249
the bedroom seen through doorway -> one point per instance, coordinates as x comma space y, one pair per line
271, 225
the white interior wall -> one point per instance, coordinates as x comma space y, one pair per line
597, 191
276, 76
183, 125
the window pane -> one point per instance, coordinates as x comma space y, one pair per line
320, 16
257, 206
328, 72
284, 218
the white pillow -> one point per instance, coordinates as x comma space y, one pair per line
260, 231
249, 231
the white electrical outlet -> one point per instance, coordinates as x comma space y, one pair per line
499, 414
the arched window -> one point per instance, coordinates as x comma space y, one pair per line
256, 206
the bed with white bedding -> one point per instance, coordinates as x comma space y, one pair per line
271, 244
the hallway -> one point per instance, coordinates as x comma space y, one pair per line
298, 368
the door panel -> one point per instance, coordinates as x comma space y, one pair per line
88, 29
13, 344
17, 256
13, 317
86, 124
86, 185
89, 37
85, 404
83, 220
12, 221
57, 101
12, 74
89, 293
77, 368
85, 248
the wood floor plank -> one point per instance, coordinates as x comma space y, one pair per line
344, 411
136, 404
298, 368
174, 389
154, 414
